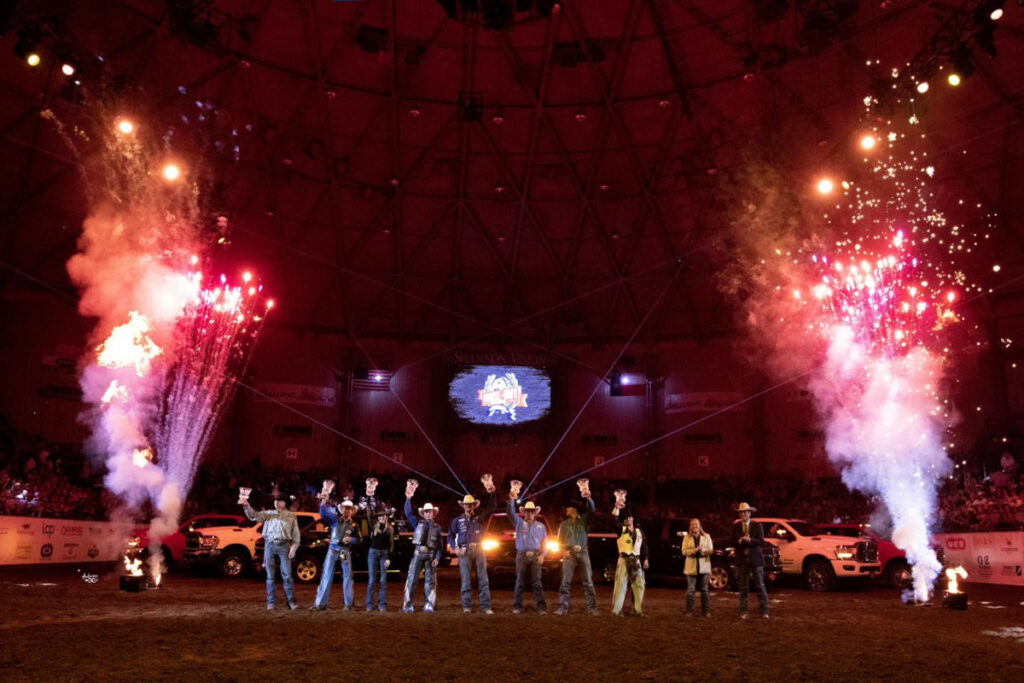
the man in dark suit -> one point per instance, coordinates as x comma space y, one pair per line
747, 537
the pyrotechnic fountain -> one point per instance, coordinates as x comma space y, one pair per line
862, 308
170, 349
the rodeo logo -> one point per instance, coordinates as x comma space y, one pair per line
93, 552
49, 530
502, 395
46, 551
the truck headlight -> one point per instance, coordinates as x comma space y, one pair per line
489, 544
846, 552
208, 542
552, 546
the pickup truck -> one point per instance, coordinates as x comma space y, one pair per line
499, 544
896, 571
173, 545
665, 543
231, 550
820, 558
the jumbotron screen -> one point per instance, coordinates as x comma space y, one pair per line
500, 395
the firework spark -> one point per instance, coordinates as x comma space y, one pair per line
869, 296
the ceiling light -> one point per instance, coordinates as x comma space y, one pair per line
954, 79
125, 126
825, 186
922, 87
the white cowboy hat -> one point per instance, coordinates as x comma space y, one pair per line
529, 507
346, 504
427, 507
469, 500
743, 507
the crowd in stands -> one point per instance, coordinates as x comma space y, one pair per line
45, 479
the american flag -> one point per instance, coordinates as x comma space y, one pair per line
371, 380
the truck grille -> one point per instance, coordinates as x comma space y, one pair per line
867, 551
192, 541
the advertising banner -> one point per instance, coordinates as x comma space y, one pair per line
41, 540
989, 557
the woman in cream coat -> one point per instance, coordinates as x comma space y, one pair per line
697, 549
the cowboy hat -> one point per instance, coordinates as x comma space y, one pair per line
346, 504
427, 507
743, 507
469, 500
529, 507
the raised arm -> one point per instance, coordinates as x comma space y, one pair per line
329, 513
252, 514
588, 511
516, 520
410, 515
489, 506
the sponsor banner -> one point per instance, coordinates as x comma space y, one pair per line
703, 402
304, 394
989, 557
40, 540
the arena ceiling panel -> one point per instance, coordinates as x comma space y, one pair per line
393, 171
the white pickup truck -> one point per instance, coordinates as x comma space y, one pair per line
822, 559
231, 549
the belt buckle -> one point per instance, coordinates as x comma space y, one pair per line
530, 553
423, 549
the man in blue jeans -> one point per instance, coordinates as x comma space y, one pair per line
382, 544
281, 540
464, 538
531, 549
344, 537
572, 535
428, 544
747, 537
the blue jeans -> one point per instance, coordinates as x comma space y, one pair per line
323, 592
474, 556
528, 563
421, 561
272, 549
376, 568
693, 583
569, 564
744, 573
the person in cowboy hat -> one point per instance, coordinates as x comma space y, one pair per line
344, 537
747, 537
281, 540
572, 536
633, 561
427, 544
531, 550
464, 536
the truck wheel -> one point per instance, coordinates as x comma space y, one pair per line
719, 579
819, 576
899, 575
306, 569
234, 564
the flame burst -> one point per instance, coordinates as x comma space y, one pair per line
129, 345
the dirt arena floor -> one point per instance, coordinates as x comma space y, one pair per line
55, 626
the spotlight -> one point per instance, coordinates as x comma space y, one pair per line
67, 68
26, 48
962, 62
825, 186
994, 9
171, 172
868, 142
954, 79
922, 87
125, 126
